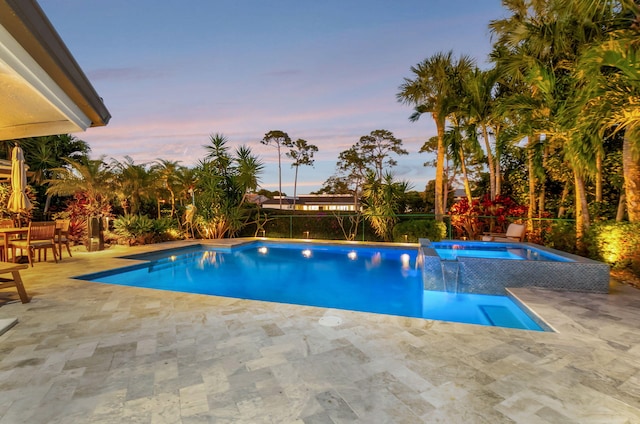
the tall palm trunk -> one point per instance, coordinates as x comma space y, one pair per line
439, 189
173, 203
541, 200
599, 177
47, 203
465, 179
582, 210
621, 207
542, 191
492, 170
631, 166
563, 198
532, 183
498, 176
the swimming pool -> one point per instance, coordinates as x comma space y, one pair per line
376, 279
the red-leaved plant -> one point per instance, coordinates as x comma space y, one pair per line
471, 219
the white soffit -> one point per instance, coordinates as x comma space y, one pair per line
32, 103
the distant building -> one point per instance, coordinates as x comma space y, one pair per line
313, 202
459, 194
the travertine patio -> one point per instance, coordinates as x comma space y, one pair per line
93, 353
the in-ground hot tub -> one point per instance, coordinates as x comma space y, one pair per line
490, 267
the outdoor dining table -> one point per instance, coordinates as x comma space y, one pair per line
6, 234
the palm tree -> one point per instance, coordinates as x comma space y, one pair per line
135, 183
435, 89
461, 143
185, 180
539, 44
479, 107
168, 170
611, 96
93, 178
217, 153
43, 154
301, 152
277, 139
248, 168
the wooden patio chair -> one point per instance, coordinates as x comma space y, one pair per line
41, 235
5, 223
515, 232
62, 235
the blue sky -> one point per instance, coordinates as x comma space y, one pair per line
173, 72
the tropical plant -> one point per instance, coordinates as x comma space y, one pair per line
538, 48
94, 179
168, 171
470, 219
611, 98
221, 210
218, 153
381, 201
248, 168
134, 184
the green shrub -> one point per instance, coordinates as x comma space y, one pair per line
616, 243
165, 229
560, 235
419, 228
140, 229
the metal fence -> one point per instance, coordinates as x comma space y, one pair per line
559, 233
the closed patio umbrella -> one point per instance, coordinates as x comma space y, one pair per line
18, 201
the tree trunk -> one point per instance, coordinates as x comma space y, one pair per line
498, 176
541, 200
279, 176
465, 179
173, 203
563, 199
295, 187
532, 184
582, 210
439, 189
492, 170
621, 205
631, 166
598, 177
47, 204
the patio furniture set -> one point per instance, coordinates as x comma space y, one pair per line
38, 236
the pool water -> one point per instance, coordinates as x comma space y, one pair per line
367, 279
449, 250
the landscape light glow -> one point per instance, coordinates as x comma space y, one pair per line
405, 258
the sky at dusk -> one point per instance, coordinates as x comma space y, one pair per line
173, 72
